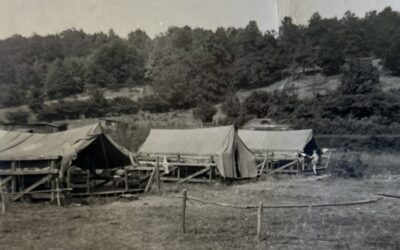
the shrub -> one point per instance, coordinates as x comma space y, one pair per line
154, 104
19, 116
231, 107
123, 105
348, 166
259, 103
205, 112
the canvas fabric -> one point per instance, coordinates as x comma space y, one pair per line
65, 145
262, 141
220, 142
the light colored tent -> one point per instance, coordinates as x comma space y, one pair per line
288, 142
81, 147
233, 158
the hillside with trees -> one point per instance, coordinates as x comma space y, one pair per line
198, 68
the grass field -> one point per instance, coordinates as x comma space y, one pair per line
153, 221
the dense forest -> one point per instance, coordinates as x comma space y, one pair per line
193, 67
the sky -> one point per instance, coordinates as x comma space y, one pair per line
27, 17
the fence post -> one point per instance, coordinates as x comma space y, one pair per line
184, 211
3, 201
58, 192
259, 215
158, 174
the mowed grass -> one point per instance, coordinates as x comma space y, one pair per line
153, 221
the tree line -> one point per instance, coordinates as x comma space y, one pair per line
196, 68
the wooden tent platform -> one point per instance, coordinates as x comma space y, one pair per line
182, 169
270, 165
17, 183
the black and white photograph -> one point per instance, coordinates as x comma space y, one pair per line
200, 124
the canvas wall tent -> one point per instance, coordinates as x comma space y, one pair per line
233, 159
85, 147
283, 144
32, 163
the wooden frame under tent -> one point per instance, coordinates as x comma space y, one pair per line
180, 169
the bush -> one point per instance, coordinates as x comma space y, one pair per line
154, 104
205, 112
348, 166
259, 103
19, 116
231, 107
123, 105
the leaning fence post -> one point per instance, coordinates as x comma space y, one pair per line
184, 211
259, 215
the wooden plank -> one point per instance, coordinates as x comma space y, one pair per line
263, 165
327, 161
5, 181
195, 174
118, 191
18, 171
148, 186
194, 180
145, 168
101, 184
33, 186
283, 167
44, 191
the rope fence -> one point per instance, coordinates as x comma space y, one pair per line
260, 207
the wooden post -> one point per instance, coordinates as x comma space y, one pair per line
179, 174
88, 181
259, 215
126, 180
211, 175
52, 164
150, 182
13, 181
158, 174
69, 178
58, 192
3, 201
184, 211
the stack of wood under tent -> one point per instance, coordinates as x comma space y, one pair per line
79, 162
284, 151
197, 155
